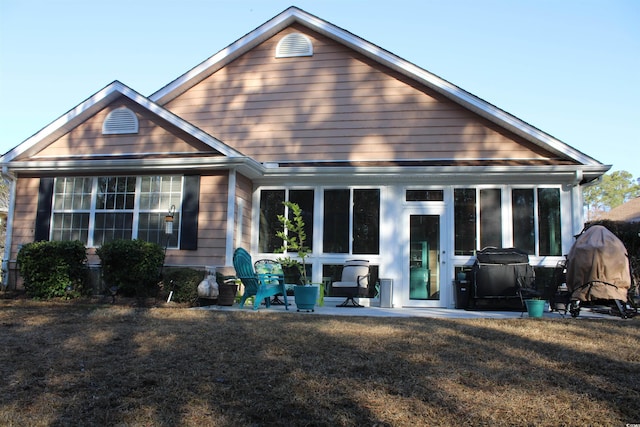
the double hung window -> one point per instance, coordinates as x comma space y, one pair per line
96, 210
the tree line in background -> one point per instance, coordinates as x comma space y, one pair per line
613, 190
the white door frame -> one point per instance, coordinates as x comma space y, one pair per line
429, 208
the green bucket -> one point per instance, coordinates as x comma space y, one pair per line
535, 307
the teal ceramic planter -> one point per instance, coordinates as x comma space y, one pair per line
305, 297
535, 307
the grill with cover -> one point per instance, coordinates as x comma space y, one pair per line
502, 276
598, 270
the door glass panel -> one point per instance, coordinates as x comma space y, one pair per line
490, 218
336, 222
366, 221
424, 265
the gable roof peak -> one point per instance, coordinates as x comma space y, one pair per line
293, 15
97, 102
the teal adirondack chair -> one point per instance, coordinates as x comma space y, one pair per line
262, 286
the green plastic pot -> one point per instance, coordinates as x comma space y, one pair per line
535, 307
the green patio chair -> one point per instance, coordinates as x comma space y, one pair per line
270, 272
262, 286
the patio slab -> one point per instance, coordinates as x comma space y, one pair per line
439, 313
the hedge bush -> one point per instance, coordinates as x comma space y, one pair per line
132, 265
54, 269
183, 282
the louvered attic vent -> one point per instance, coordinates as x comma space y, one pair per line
294, 44
120, 121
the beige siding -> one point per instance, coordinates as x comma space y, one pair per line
244, 191
336, 105
24, 218
212, 225
212, 222
154, 136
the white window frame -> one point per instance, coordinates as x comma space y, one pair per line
136, 211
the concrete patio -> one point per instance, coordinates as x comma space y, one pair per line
330, 309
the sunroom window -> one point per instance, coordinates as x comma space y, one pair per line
350, 219
546, 217
535, 220
271, 205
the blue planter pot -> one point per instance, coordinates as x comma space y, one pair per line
305, 297
535, 307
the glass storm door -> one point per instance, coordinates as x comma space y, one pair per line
424, 261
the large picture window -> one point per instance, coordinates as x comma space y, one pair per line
271, 205
464, 200
550, 236
96, 210
350, 219
490, 218
535, 220
546, 216
524, 235
342, 226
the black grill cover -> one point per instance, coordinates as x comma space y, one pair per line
501, 272
502, 256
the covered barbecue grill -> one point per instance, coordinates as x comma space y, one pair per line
502, 277
598, 270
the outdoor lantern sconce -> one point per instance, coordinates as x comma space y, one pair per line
168, 220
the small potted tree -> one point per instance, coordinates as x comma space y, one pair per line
294, 240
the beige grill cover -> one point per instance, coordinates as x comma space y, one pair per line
598, 260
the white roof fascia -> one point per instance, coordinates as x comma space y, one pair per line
246, 165
380, 55
96, 102
438, 175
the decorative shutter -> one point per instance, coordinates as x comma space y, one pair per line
43, 213
189, 212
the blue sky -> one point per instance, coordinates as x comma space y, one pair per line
568, 67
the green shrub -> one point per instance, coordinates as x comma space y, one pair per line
131, 265
54, 269
183, 282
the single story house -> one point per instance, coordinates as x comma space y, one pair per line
389, 162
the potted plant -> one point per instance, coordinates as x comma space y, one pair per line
292, 270
293, 240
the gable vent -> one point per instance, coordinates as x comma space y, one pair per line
120, 121
294, 44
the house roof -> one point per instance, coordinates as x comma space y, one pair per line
585, 169
294, 15
95, 103
627, 212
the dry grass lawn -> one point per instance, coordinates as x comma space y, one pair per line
92, 364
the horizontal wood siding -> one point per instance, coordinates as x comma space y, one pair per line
212, 222
212, 225
24, 218
244, 191
337, 105
155, 136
